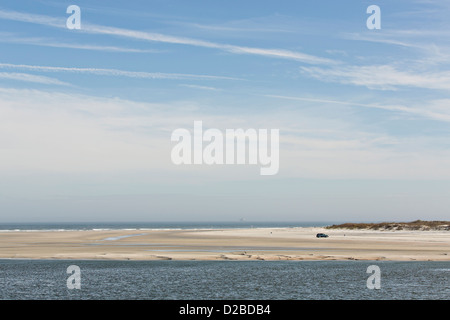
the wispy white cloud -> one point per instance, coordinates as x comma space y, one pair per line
115, 72
33, 18
431, 45
432, 42
46, 42
157, 37
237, 27
380, 38
254, 26
200, 87
434, 109
45, 131
345, 103
31, 78
383, 77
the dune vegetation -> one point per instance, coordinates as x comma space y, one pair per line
413, 225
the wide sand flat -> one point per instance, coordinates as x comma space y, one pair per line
227, 244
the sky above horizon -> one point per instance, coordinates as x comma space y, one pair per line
86, 115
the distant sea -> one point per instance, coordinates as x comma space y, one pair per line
152, 225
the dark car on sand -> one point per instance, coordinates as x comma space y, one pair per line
321, 235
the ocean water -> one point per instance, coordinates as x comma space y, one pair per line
4, 227
223, 280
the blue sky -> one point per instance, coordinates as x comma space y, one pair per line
86, 115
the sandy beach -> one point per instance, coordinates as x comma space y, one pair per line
227, 244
